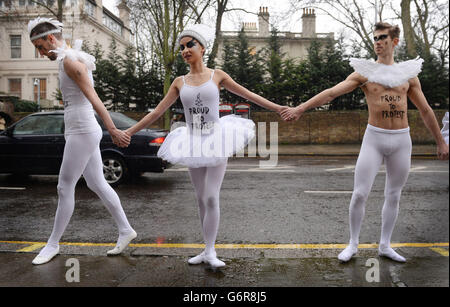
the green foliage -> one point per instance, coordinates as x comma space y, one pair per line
434, 77
245, 66
24, 105
327, 66
121, 79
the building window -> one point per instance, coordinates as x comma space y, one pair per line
6, 3
16, 46
71, 3
15, 87
43, 88
89, 7
111, 24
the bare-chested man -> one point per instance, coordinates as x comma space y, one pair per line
387, 86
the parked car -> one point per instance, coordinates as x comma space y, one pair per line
35, 144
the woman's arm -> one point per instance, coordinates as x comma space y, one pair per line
171, 96
78, 72
229, 84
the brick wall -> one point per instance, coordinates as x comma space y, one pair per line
320, 127
323, 127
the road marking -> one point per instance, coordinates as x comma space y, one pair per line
36, 245
31, 248
328, 192
251, 170
12, 189
443, 252
340, 169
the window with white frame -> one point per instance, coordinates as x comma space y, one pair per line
16, 46
89, 7
6, 3
15, 87
111, 24
42, 88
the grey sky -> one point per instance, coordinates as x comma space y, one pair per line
280, 15
277, 10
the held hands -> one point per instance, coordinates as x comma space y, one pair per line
120, 138
442, 152
291, 114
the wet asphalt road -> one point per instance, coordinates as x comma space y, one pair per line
300, 201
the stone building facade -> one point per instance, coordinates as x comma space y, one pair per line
21, 66
294, 44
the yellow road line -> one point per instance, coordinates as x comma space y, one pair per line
36, 245
443, 252
31, 248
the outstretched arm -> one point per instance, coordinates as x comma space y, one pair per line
418, 99
78, 72
168, 100
230, 85
348, 85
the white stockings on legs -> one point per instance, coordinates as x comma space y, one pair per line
207, 182
394, 147
82, 157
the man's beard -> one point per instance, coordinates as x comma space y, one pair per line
53, 57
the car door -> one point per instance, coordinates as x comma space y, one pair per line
38, 144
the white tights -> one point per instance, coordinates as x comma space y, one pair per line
82, 157
207, 182
394, 147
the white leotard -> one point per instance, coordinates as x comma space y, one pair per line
78, 111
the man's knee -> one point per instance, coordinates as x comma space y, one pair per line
392, 197
359, 198
211, 201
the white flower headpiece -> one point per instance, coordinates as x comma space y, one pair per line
204, 34
35, 22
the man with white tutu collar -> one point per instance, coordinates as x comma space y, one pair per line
387, 87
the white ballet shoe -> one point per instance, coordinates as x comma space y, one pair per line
197, 259
391, 254
44, 259
347, 253
122, 243
213, 261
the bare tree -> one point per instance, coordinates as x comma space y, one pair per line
222, 7
425, 25
408, 28
352, 14
161, 22
11, 8
49, 5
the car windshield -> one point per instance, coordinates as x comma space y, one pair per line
122, 121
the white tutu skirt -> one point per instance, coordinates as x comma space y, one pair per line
209, 148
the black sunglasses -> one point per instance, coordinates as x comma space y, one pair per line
380, 37
189, 45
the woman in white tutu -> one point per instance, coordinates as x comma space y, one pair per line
207, 141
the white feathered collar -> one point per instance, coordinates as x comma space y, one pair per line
75, 54
387, 75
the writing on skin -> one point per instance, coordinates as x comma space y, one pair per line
392, 112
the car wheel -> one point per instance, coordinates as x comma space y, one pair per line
114, 169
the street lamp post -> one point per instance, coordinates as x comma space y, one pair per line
38, 84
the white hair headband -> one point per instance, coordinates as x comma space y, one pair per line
35, 22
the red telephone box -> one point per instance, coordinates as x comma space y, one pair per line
243, 110
225, 109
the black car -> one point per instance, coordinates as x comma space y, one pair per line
35, 145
